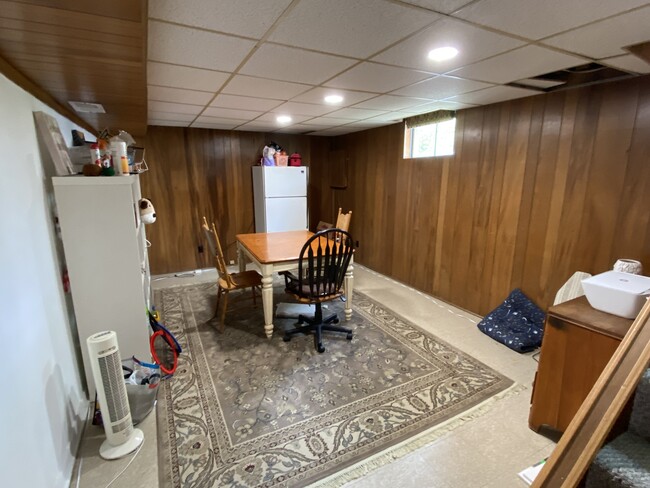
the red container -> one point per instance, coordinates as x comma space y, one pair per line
295, 160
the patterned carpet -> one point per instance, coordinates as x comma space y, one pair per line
245, 411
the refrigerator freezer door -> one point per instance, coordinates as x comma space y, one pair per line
284, 214
280, 181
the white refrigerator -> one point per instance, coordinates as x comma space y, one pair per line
280, 197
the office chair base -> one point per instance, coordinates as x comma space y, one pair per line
317, 325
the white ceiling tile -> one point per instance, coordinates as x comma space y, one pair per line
327, 121
256, 126
210, 125
244, 103
536, 19
292, 64
356, 113
493, 95
153, 114
178, 95
250, 18
178, 108
607, 37
444, 6
280, 90
271, 117
230, 113
167, 123
183, 77
441, 87
439, 105
359, 28
629, 62
473, 44
304, 108
295, 129
389, 118
317, 95
338, 131
224, 121
391, 102
192, 47
367, 124
521, 63
377, 78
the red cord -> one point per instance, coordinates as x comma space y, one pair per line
162, 333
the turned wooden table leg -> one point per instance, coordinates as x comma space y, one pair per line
349, 285
267, 299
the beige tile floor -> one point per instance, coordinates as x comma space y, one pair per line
484, 452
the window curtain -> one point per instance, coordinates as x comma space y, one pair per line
430, 118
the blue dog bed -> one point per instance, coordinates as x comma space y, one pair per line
517, 323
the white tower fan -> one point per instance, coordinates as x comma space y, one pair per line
121, 437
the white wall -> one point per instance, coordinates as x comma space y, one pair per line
43, 404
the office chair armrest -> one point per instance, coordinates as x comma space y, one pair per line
288, 278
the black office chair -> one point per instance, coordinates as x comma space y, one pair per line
323, 262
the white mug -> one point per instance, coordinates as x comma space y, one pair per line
628, 266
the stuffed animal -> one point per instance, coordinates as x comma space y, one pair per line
147, 212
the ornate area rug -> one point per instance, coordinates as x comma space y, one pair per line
245, 411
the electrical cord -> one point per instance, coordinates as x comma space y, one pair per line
127, 466
118, 474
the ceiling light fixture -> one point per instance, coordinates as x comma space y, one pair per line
443, 53
333, 99
283, 119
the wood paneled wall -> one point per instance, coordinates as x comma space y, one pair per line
80, 50
539, 188
197, 172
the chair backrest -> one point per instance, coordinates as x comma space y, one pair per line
215, 249
323, 262
343, 220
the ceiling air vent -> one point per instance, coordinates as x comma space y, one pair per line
88, 107
585, 74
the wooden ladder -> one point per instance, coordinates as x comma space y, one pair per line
587, 431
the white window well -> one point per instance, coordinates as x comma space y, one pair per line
425, 141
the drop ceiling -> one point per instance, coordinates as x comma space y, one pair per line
240, 64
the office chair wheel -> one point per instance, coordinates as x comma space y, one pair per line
335, 321
349, 336
286, 338
320, 348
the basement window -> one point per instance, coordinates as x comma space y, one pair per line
429, 139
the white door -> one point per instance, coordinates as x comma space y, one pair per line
284, 214
281, 181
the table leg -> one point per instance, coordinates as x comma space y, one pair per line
241, 259
349, 286
267, 299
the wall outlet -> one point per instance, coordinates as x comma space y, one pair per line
200, 249
232, 261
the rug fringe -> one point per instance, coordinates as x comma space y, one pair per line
366, 466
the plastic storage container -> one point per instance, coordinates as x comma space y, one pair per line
621, 294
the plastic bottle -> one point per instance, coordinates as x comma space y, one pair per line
118, 152
95, 155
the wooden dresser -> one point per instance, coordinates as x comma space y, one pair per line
578, 342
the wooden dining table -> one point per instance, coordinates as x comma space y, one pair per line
273, 252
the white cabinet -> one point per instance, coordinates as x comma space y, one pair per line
106, 254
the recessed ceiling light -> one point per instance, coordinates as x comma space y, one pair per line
443, 53
333, 99
283, 119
